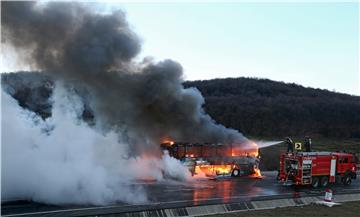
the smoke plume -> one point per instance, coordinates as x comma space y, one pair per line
73, 43
61, 160
141, 103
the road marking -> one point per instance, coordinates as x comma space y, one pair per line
149, 204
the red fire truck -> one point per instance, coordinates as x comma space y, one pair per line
317, 168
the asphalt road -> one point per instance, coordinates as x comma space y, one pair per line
175, 194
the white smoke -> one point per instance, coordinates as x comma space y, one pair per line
62, 160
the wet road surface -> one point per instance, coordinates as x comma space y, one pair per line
174, 194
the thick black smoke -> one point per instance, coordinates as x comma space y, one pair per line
146, 102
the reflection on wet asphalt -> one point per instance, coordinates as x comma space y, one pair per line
226, 189
170, 194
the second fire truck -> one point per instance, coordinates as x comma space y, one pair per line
317, 169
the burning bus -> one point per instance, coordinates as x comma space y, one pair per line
216, 159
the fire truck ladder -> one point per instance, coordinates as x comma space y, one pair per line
306, 172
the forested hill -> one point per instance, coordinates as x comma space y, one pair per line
265, 108
257, 107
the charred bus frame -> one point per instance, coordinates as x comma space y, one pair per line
242, 163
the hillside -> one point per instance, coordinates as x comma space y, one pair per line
259, 108
268, 109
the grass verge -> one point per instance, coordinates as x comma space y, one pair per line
345, 209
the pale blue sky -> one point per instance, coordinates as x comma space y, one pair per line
312, 44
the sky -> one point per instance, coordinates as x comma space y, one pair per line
312, 44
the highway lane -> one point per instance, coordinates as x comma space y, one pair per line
170, 194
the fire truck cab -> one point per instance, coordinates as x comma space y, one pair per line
317, 169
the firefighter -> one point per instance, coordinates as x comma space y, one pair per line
307, 144
290, 144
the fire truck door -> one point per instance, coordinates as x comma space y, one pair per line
342, 165
332, 170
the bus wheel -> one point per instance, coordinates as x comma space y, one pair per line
324, 181
347, 180
315, 182
235, 173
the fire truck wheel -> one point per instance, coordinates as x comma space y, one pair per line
347, 180
315, 182
235, 173
324, 181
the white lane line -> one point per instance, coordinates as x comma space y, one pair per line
149, 204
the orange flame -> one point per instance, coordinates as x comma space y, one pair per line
257, 173
251, 149
213, 170
167, 141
